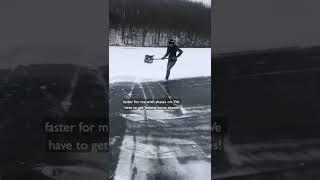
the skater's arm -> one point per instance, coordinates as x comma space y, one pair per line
180, 52
167, 53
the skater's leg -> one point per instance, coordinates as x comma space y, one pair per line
169, 66
168, 71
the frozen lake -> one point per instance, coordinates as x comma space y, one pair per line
127, 64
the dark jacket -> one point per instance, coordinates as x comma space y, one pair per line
172, 52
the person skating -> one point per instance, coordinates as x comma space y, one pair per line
172, 52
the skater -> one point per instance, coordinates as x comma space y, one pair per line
172, 52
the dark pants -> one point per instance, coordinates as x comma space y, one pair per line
170, 64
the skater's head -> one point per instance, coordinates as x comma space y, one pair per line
171, 43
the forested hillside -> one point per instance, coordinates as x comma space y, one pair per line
153, 22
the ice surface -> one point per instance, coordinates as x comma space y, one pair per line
206, 2
127, 64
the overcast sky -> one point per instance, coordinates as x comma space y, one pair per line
261, 24
52, 31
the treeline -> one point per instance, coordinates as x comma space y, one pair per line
153, 22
